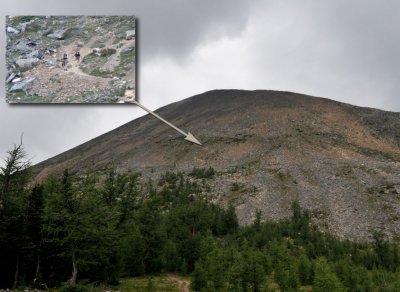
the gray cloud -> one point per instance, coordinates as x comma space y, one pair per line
344, 50
166, 28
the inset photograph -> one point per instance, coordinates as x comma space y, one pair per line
70, 59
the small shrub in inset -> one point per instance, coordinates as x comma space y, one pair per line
107, 52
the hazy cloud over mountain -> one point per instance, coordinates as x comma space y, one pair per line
347, 51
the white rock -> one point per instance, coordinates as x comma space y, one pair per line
12, 30
10, 78
27, 63
24, 26
24, 47
35, 54
23, 85
58, 34
130, 34
51, 62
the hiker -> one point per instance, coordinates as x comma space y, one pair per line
77, 55
65, 61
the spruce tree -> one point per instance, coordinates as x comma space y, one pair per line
325, 279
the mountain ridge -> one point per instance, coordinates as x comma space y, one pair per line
341, 162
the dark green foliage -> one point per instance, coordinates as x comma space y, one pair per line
305, 270
113, 225
235, 187
203, 172
133, 253
199, 278
252, 270
325, 279
21, 19
15, 246
107, 52
74, 288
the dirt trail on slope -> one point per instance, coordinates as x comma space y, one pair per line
74, 85
86, 49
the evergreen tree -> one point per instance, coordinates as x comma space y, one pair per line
306, 273
325, 279
154, 234
14, 245
133, 252
199, 278
231, 220
34, 216
82, 227
253, 274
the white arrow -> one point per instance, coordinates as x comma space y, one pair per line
188, 136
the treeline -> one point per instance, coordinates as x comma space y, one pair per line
98, 228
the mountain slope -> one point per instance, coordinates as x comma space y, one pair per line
269, 148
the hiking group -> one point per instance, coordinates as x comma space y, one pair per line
77, 55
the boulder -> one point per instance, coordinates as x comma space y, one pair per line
25, 25
12, 30
58, 34
35, 54
24, 47
51, 62
27, 63
127, 49
11, 77
130, 34
23, 85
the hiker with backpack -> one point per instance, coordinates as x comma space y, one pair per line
65, 61
77, 55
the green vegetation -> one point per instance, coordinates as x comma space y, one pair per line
92, 63
127, 60
107, 52
152, 283
203, 172
21, 19
80, 233
235, 186
22, 97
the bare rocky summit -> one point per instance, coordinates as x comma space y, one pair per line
269, 148
36, 46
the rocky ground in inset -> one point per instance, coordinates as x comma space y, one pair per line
36, 46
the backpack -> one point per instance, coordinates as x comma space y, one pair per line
65, 56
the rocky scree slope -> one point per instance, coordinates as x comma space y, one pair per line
269, 148
35, 48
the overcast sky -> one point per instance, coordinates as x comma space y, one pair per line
339, 49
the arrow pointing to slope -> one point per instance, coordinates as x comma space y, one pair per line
189, 137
